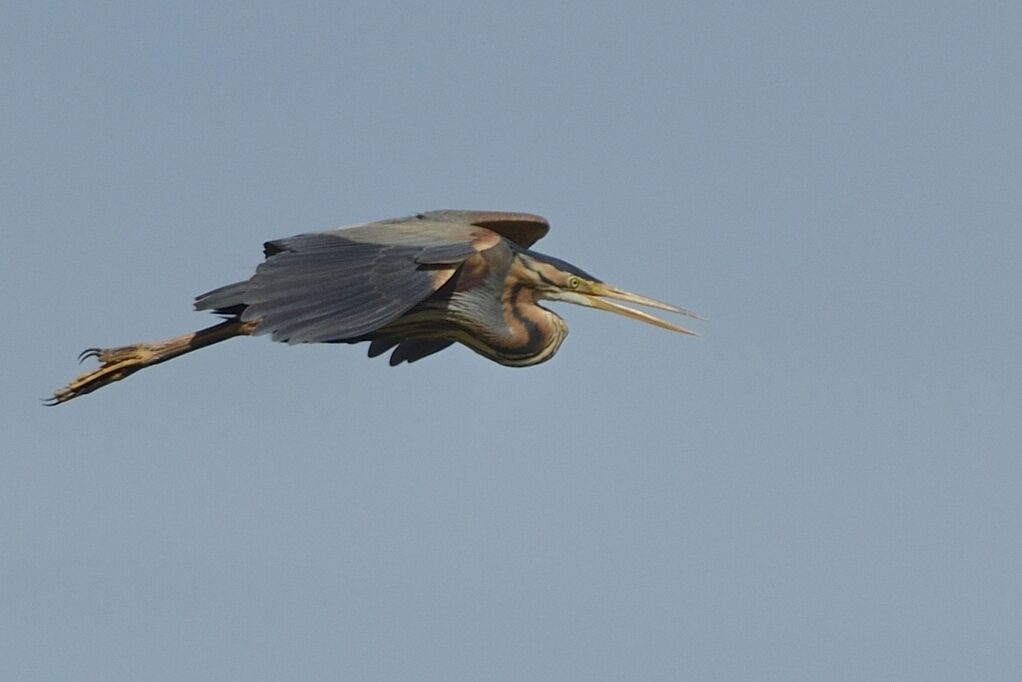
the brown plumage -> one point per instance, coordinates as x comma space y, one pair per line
415, 285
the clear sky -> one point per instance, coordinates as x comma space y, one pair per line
824, 486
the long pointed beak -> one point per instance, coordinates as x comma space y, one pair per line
599, 293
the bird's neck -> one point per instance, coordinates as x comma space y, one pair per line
531, 334
518, 331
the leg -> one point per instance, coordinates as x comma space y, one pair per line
118, 363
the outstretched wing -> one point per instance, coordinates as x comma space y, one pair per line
345, 283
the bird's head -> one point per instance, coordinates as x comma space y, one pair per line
555, 280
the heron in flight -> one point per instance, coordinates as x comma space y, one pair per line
415, 285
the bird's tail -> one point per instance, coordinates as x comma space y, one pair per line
117, 363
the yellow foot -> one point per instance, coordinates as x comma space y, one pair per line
117, 363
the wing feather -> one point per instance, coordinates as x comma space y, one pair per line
343, 284
413, 350
346, 283
524, 229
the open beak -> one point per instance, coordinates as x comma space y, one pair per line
599, 292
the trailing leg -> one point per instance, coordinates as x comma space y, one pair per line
117, 363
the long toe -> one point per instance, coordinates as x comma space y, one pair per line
117, 364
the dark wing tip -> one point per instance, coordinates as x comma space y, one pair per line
272, 248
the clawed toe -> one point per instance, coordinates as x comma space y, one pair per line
115, 364
123, 361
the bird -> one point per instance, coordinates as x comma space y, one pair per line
412, 286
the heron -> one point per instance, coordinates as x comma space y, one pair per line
413, 286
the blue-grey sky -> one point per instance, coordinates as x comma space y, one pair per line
825, 485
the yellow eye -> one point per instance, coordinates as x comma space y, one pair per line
574, 282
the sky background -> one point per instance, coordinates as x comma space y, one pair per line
825, 485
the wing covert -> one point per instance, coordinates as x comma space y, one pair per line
524, 229
344, 283
341, 284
